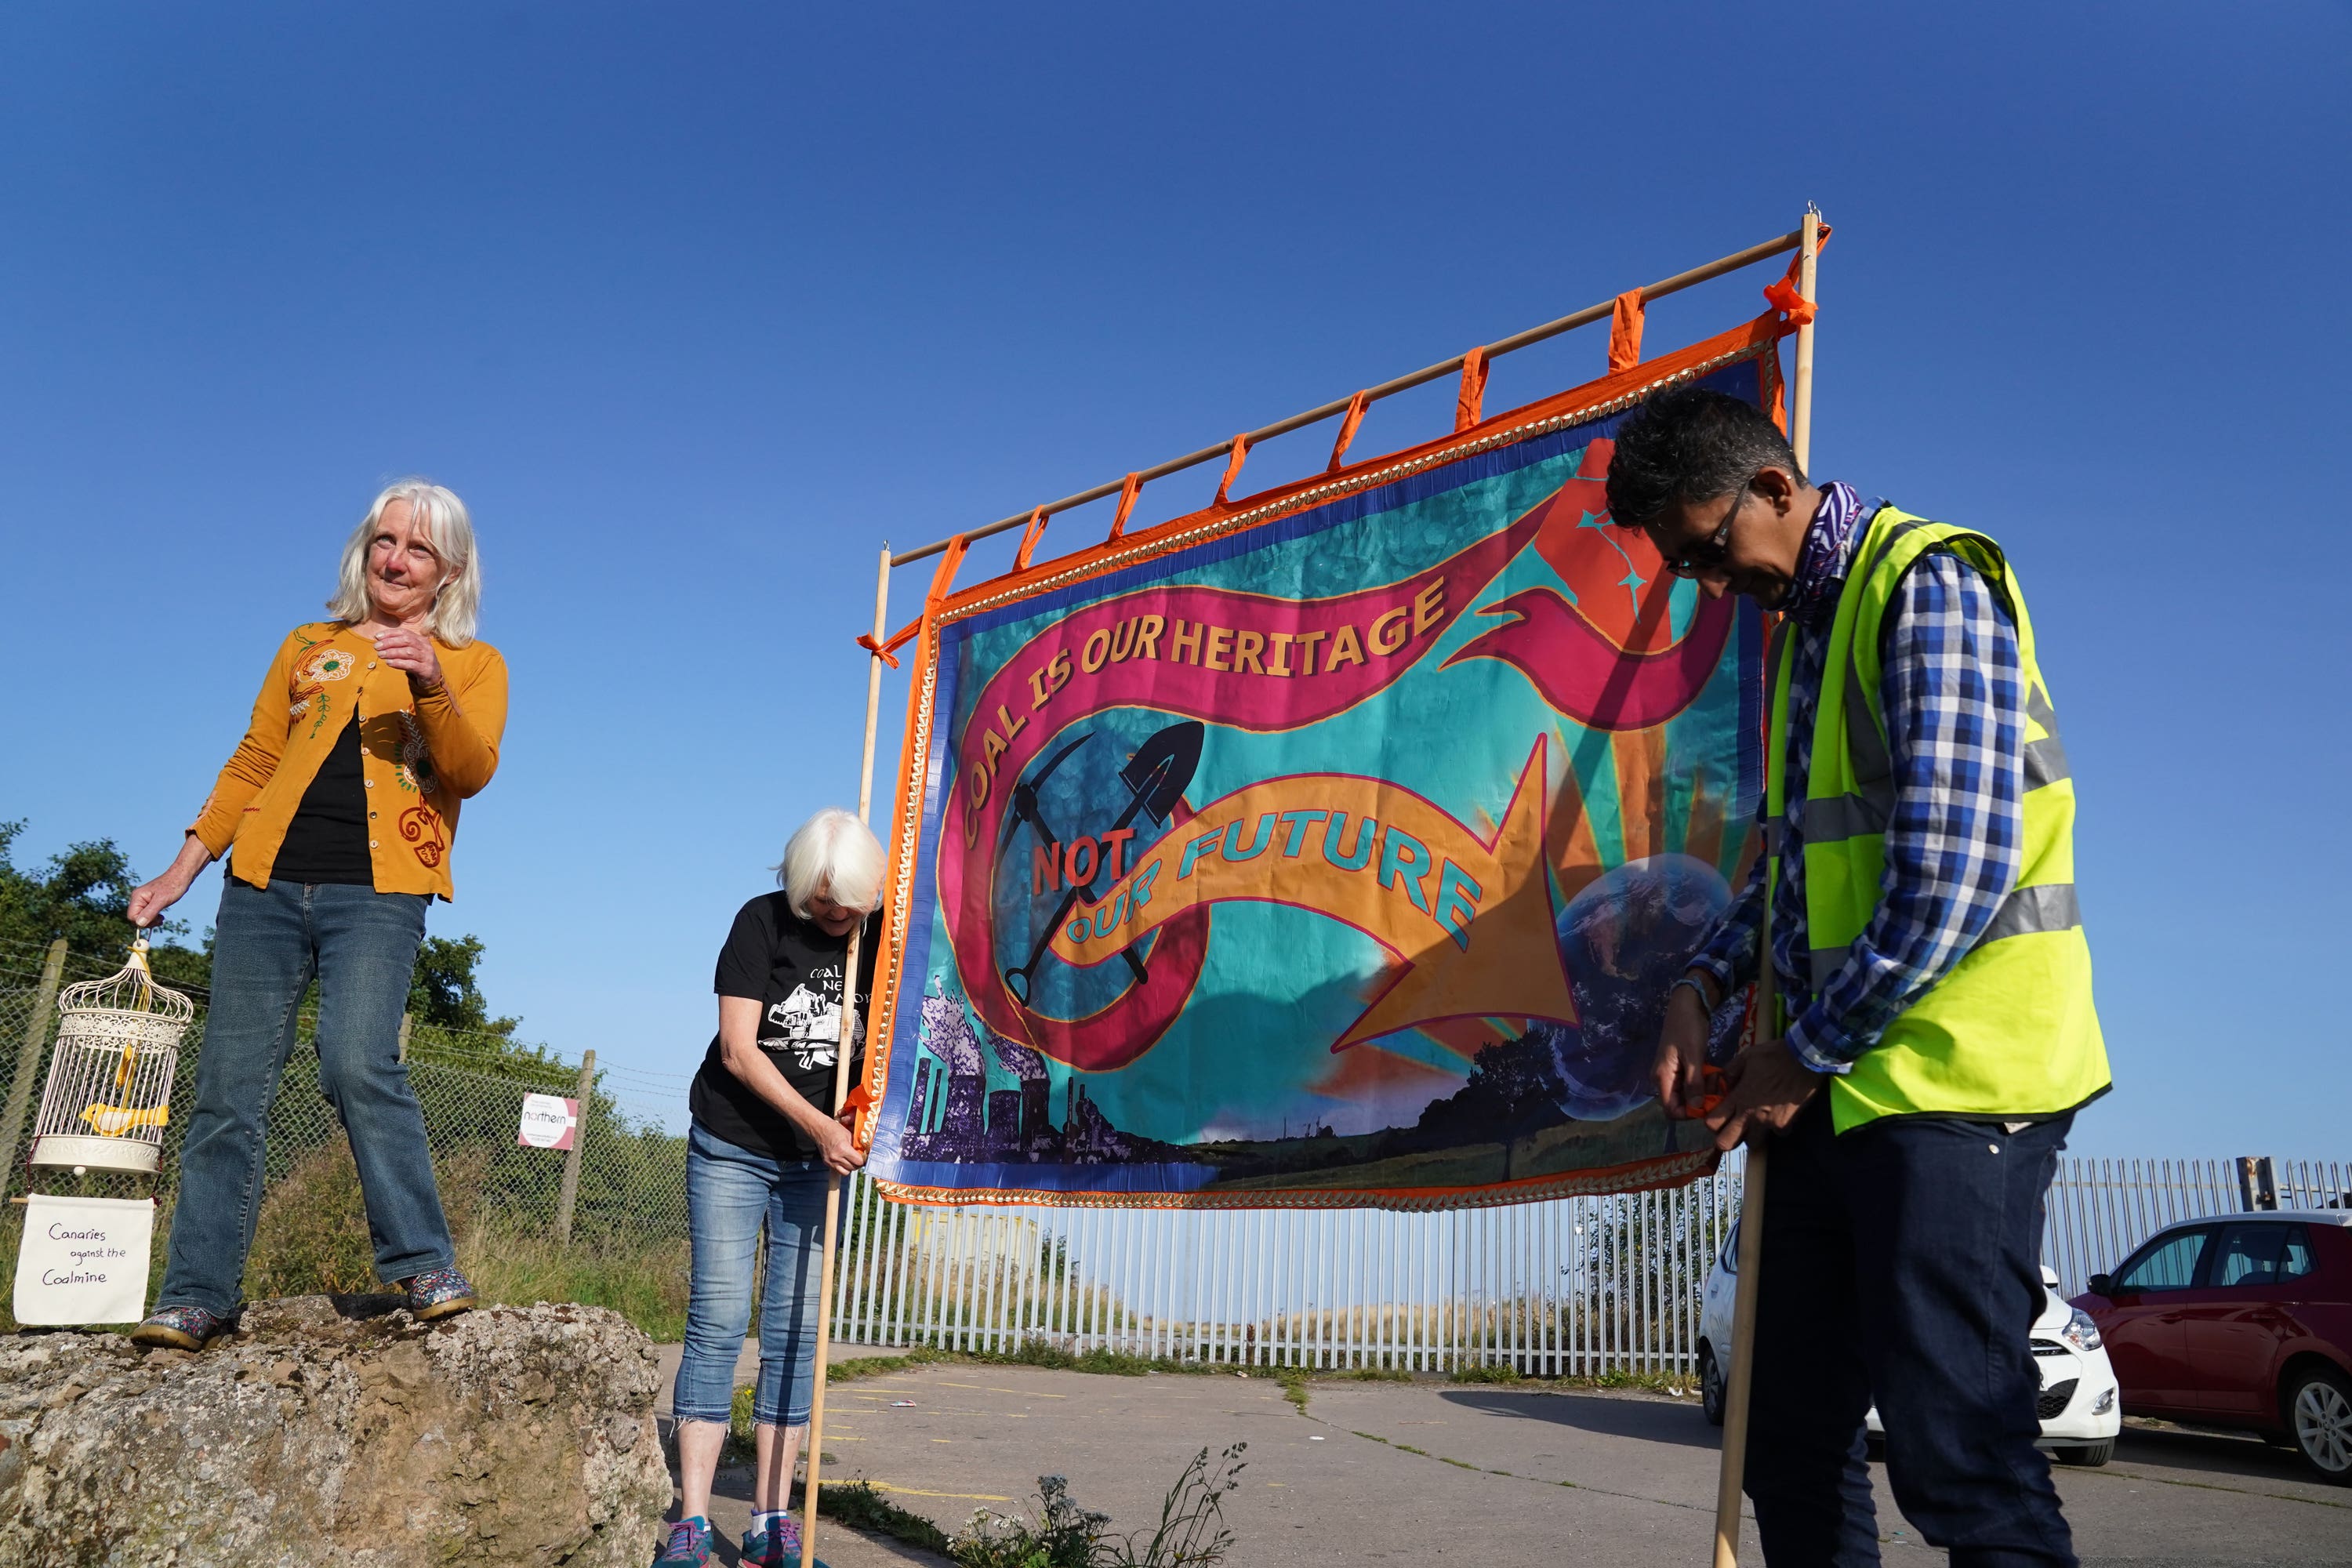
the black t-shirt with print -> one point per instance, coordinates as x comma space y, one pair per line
793, 970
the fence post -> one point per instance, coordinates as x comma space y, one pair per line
28, 1061
406, 1019
572, 1156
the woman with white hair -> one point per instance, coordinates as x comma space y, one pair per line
337, 812
763, 1146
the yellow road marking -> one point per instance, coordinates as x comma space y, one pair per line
992, 1388
917, 1491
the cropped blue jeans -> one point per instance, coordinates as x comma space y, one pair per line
268, 944
730, 1193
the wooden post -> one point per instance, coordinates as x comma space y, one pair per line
1767, 1026
407, 1021
28, 1060
570, 1190
815, 1446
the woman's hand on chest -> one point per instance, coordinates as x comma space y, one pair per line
412, 653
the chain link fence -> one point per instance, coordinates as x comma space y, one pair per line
628, 1170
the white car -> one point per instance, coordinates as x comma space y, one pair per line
2082, 1408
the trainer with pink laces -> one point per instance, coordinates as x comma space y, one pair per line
337, 811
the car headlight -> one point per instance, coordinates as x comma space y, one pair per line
2080, 1331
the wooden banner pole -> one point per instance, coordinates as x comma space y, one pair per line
814, 1447
1767, 1005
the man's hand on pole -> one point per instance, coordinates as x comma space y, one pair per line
1769, 1086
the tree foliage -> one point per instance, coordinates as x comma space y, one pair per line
84, 896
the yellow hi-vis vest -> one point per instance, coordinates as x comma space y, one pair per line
2009, 1031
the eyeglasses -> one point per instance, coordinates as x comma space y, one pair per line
1711, 551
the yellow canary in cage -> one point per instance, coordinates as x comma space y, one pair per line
114, 1121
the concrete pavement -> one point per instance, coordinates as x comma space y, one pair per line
1377, 1472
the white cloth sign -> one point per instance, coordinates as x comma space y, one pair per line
549, 1122
84, 1260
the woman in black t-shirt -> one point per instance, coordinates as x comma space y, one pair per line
762, 1148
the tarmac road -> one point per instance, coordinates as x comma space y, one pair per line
1379, 1472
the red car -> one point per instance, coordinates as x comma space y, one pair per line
2239, 1321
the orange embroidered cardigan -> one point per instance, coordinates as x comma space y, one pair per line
418, 757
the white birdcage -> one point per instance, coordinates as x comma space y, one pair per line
110, 1090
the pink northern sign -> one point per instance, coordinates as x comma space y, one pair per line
549, 1122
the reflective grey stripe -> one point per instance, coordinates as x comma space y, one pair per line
2045, 762
2038, 709
1837, 817
2050, 906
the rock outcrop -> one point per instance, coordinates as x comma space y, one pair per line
336, 1431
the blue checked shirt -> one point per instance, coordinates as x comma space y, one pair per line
1954, 708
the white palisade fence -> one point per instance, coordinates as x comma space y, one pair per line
1577, 1287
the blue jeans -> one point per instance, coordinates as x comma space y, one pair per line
360, 945
1903, 1261
729, 1191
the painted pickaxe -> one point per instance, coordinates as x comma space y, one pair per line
1157, 777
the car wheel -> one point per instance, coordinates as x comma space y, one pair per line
2088, 1453
1710, 1386
2319, 1414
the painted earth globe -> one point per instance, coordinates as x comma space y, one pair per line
1623, 938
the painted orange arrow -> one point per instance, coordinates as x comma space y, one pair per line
1469, 919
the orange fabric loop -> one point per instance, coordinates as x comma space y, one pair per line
1127, 494
941, 580
887, 652
1233, 468
1626, 331
1029, 537
1355, 417
1783, 296
944, 578
1470, 400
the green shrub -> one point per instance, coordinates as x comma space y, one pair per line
312, 1236
642, 1278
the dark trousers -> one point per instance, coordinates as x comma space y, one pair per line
1902, 1262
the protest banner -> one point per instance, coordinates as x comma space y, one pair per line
1332, 847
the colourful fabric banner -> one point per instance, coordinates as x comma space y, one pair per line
1331, 846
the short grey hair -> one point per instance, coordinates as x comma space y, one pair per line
838, 853
447, 524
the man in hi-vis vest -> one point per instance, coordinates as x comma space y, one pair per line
1935, 1033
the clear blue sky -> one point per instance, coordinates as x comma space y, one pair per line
694, 305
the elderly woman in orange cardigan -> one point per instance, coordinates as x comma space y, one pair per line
337, 813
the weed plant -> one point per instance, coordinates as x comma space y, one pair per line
1192, 1529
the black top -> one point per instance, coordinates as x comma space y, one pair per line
793, 970
328, 839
